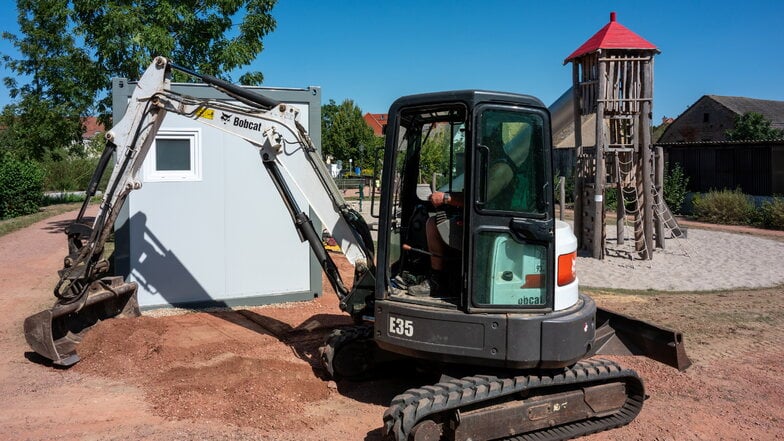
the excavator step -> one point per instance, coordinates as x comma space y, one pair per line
589, 397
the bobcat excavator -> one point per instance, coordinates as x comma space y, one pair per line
473, 277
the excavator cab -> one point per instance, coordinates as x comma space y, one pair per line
510, 198
489, 254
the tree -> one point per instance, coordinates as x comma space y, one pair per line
676, 185
69, 49
199, 34
753, 126
61, 83
434, 157
345, 135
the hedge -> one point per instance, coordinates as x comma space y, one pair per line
21, 187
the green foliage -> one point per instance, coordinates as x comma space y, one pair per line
724, 207
68, 174
69, 49
345, 135
64, 171
61, 83
434, 157
752, 126
36, 127
675, 187
58, 70
61, 198
21, 184
374, 149
611, 198
208, 36
771, 213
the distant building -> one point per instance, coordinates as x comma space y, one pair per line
659, 130
711, 116
92, 127
697, 141
377, 122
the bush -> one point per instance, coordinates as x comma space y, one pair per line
21, 187
68, 174
724, 207
675, 183
611, 198
771, 213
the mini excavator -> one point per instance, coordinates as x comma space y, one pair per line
473, 277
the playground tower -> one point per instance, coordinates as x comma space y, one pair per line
612, 74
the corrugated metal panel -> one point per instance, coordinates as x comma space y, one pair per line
747, 167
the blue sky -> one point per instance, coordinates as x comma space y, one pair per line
374, 52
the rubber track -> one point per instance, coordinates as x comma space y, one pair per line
338, 338
416, 405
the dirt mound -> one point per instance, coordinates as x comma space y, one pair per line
218, 366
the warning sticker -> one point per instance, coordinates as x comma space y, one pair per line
205, 113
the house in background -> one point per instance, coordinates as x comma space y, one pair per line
697, 141
92, 127
377, 122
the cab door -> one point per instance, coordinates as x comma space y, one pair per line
512, 254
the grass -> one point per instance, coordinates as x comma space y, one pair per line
17, 223
62, 198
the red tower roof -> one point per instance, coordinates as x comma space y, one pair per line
613, 36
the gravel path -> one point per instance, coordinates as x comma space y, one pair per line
705, 260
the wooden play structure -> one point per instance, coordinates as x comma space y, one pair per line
613, 85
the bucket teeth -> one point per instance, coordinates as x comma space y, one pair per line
55, 333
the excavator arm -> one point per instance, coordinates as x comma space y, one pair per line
86, 294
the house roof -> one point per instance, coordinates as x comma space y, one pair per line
773, 111
91, 127
612, 36
687, 129
376, 121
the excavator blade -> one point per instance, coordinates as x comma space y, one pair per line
55, 333
618, 334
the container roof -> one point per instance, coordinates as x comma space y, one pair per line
612, 36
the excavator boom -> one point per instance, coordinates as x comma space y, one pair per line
86, 294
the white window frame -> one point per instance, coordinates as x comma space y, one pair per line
151, 172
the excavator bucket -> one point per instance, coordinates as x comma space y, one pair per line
55, 333
618, 334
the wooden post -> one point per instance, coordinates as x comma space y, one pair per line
599, 174
659, 183
562, 200
620, 211
578, 151
647, 160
